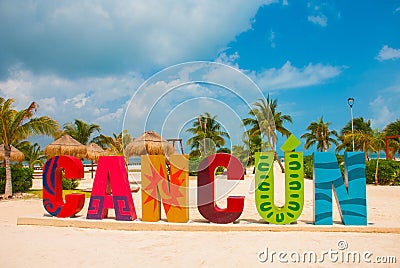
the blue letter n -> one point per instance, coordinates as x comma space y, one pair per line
351, 201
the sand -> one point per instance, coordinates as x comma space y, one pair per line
42, 246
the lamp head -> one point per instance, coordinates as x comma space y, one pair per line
350, 101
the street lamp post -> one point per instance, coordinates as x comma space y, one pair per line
350, 101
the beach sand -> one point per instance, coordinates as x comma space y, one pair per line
43, 246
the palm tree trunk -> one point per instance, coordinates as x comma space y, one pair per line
91, 167
376, 170
279, 162
8, 187
366, 152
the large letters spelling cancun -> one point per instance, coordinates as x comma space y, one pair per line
111, 188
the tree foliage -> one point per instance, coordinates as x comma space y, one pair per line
264, 120
207, 135
320, 135
81, 131
32, 152
16, 126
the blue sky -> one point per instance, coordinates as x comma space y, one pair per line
86, 59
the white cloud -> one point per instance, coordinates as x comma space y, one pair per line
271, 39
230, 60
48, 105
78, 101
320, 12
85, 59
172, 94
91, 98
392, 89
110, 117
381, 113
103, 100
289, 76
388, 53
285, 3
320, 20
167, 111
385, 105
86, 38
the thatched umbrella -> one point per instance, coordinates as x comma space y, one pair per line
16, 155
151, 143
94, 151
109, 151
66, 145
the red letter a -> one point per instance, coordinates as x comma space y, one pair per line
111, 190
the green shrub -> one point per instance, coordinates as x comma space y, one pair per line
194, 165
21, 179
309, 165
220, 170
388, 172
68, 184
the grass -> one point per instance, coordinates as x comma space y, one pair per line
38, 193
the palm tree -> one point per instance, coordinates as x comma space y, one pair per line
265, 119
251, 145
81, 131
241, 153
366, 141
379, 144
393, 129
33, 153
207, 135
369, 142
116, 144
320, 134
360, 125
16, 126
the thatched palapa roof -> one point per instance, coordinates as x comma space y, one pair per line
110, 152
94, 151
16, 155
66, 145
150, 142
